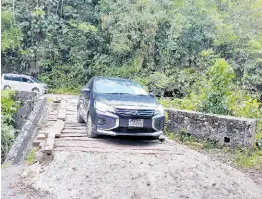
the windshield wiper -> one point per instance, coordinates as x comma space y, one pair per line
127, 94
120, 93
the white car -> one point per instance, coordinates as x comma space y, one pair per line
23, 83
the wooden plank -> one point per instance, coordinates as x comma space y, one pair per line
73, 135
59, 126
49, 144
109, 150
57, 100
75, 128
70, 125
75, 123
62, 112
42, 144
52, 119
36, 143
74, 131
56, 128
44, 132
76, 138
41, 136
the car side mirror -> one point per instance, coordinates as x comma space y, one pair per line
85, 91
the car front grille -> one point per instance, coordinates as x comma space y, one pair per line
134, 130
145, 113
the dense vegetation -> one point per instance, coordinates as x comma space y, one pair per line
204, 55
9, 107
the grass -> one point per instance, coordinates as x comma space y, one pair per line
31, 157
49, 100
242, 158
65, 91
5, 165
190, 141
245, 158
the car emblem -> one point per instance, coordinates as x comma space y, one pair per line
135, 113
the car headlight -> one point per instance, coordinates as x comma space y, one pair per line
100, 106
159, 110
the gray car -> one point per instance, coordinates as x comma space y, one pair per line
115, 106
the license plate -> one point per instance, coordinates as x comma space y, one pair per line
135, 123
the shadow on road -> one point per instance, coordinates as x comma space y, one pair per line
131, 141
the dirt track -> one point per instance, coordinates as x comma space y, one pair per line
127, 168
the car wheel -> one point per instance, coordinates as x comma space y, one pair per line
7, 87
79, 117
36, 90
89, 129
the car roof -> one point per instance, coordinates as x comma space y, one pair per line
13, 74
111, 78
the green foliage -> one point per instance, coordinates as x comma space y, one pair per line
249, 159
191, 141
11, 33
220, 77
185, 103
7, 138
244, 158
242, 104
167, 45
213, 92
64, 79
218, 95
9, 108
31, 156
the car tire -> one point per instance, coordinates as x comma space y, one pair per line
7, 87
79, 117
36, 90
89, 129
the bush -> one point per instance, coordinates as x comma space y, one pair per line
64, 78
220, 77
9, 108
217, 95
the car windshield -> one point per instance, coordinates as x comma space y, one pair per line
114, 86
35, 80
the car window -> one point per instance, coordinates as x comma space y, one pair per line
7, 77
112, 86
16, 78
35, 80
24, 79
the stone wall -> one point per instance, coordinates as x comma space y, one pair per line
224, 130
26, 100
29, 129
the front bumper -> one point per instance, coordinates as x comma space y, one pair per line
117, 133
44, 90
114, 125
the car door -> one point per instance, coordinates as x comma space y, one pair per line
84, 99
16, 83
27, 84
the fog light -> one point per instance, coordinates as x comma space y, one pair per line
101, 121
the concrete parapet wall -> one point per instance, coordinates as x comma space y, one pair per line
23, 142
225, 130
27, 100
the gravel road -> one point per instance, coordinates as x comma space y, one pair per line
178, 173
121, 168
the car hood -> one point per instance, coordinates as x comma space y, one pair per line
118, 100
43, 84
